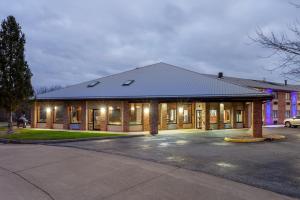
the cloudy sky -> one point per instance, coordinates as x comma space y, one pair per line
71, 41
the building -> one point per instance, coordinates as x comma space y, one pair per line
286, 101
151, 98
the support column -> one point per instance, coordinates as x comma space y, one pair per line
180, 115
245, 116
153, 117
281, 107
103, 117
84, 116
33, 115
164, 113
257, 118
206, 109
66, 116
146, 117
125, 116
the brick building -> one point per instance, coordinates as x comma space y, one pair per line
151, 98
285, 102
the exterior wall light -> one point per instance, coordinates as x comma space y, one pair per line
180, 109
132, 108
146, 110
55, 107
102, 109
48, 109
110, 108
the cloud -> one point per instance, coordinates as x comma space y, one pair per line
73, 41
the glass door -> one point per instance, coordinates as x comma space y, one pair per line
96, 119
198, 119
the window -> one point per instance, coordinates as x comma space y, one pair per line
239, 116
114, 115
136, 113
298, 112
298, 96
187, 113
213, 116
58, 114
287, 96
275, 103
275, 94
75, 114
172, 113
42, 114
128, 82
288, 103
275, 113
287, 114
227, 116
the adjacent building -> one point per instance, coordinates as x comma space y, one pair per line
285, 102
152, 98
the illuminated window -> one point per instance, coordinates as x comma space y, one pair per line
75, 114
287, 114
287, 96
239, 116
172, 113
187, 113
136, 113
58, 115
213, 116
114, 115
42, 114
275, 114
227, 117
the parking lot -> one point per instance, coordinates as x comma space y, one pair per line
273, 166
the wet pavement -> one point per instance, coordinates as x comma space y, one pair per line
273, 166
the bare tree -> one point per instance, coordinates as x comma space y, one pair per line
286, 47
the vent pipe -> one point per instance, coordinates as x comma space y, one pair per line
220, 75
285, 82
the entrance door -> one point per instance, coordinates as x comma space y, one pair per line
199, 119
96, 119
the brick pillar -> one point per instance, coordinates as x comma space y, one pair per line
257, 119
246, 119
33, 115
103, 117
233, 115
153, 119
180, 115
84, 116
193, 114
219, 117
281, 107
164, 114
66, 116
206, 121
49, 112
146, 117
125, 116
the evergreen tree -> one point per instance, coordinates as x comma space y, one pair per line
15, 75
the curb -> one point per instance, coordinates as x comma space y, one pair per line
253, 139
11, 141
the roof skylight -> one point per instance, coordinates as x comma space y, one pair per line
93, 84
128, 82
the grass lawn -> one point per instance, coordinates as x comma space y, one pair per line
30, 134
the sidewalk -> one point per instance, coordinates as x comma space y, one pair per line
36, 172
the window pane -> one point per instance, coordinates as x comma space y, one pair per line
239, 116
187, 113
58, 114
227, 117
75, 114
213, 116
42, 114
114, 115
172, 113
136, 113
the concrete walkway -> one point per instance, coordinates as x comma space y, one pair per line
36, 172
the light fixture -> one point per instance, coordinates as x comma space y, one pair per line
146, 110
48, 109
132, 108
180, 109
110, 108
102, 109
55, 107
